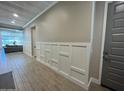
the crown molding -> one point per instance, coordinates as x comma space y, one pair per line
39, 14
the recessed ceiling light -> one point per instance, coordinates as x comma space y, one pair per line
15, 15
13, 22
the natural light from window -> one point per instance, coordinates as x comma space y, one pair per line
11, 36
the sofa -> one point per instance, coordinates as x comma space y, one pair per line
13, 48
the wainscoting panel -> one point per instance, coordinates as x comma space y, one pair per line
79, 62
68, 59
54, 56
47, 49
42, 52
64, 58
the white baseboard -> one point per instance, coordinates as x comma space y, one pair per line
81, 84
89, 82
94, 80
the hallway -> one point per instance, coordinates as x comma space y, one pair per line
32, 75
59, 46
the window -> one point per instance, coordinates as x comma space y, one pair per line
9, 37
119, 8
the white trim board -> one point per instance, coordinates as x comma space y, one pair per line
103, 40
91, 36
92, 27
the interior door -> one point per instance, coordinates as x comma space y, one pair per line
33, 39
113, 59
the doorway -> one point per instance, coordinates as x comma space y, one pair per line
113, 56
33, 41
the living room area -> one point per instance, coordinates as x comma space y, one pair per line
11, 40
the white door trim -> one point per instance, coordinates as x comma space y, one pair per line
91, 35
103, 40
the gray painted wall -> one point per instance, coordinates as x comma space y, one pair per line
66, 21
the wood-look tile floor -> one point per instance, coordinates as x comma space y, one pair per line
30, 75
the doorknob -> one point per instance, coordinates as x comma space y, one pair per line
105, 55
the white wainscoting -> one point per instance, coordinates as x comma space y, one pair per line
68, 59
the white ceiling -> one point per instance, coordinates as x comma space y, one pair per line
27, 10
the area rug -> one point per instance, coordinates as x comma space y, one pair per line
7, 81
